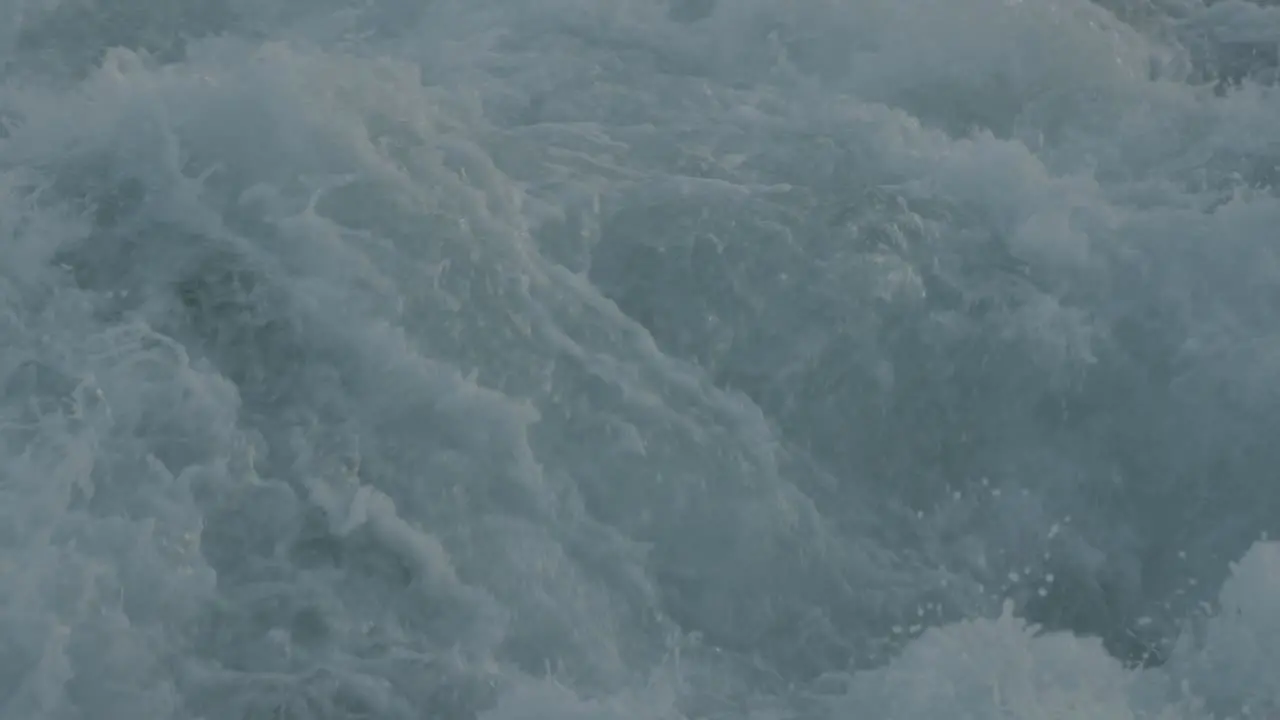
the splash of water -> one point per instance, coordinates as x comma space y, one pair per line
676, 360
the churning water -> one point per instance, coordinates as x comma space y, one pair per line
639, 359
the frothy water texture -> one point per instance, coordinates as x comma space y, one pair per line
568, 359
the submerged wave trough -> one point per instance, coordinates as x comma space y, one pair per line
887, 359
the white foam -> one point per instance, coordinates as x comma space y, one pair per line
568, 359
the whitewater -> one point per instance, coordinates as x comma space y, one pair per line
639, 359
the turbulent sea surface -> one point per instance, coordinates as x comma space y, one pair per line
639, 359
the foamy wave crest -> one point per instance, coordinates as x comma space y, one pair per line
648, 359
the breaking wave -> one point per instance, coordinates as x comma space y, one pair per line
899, 359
